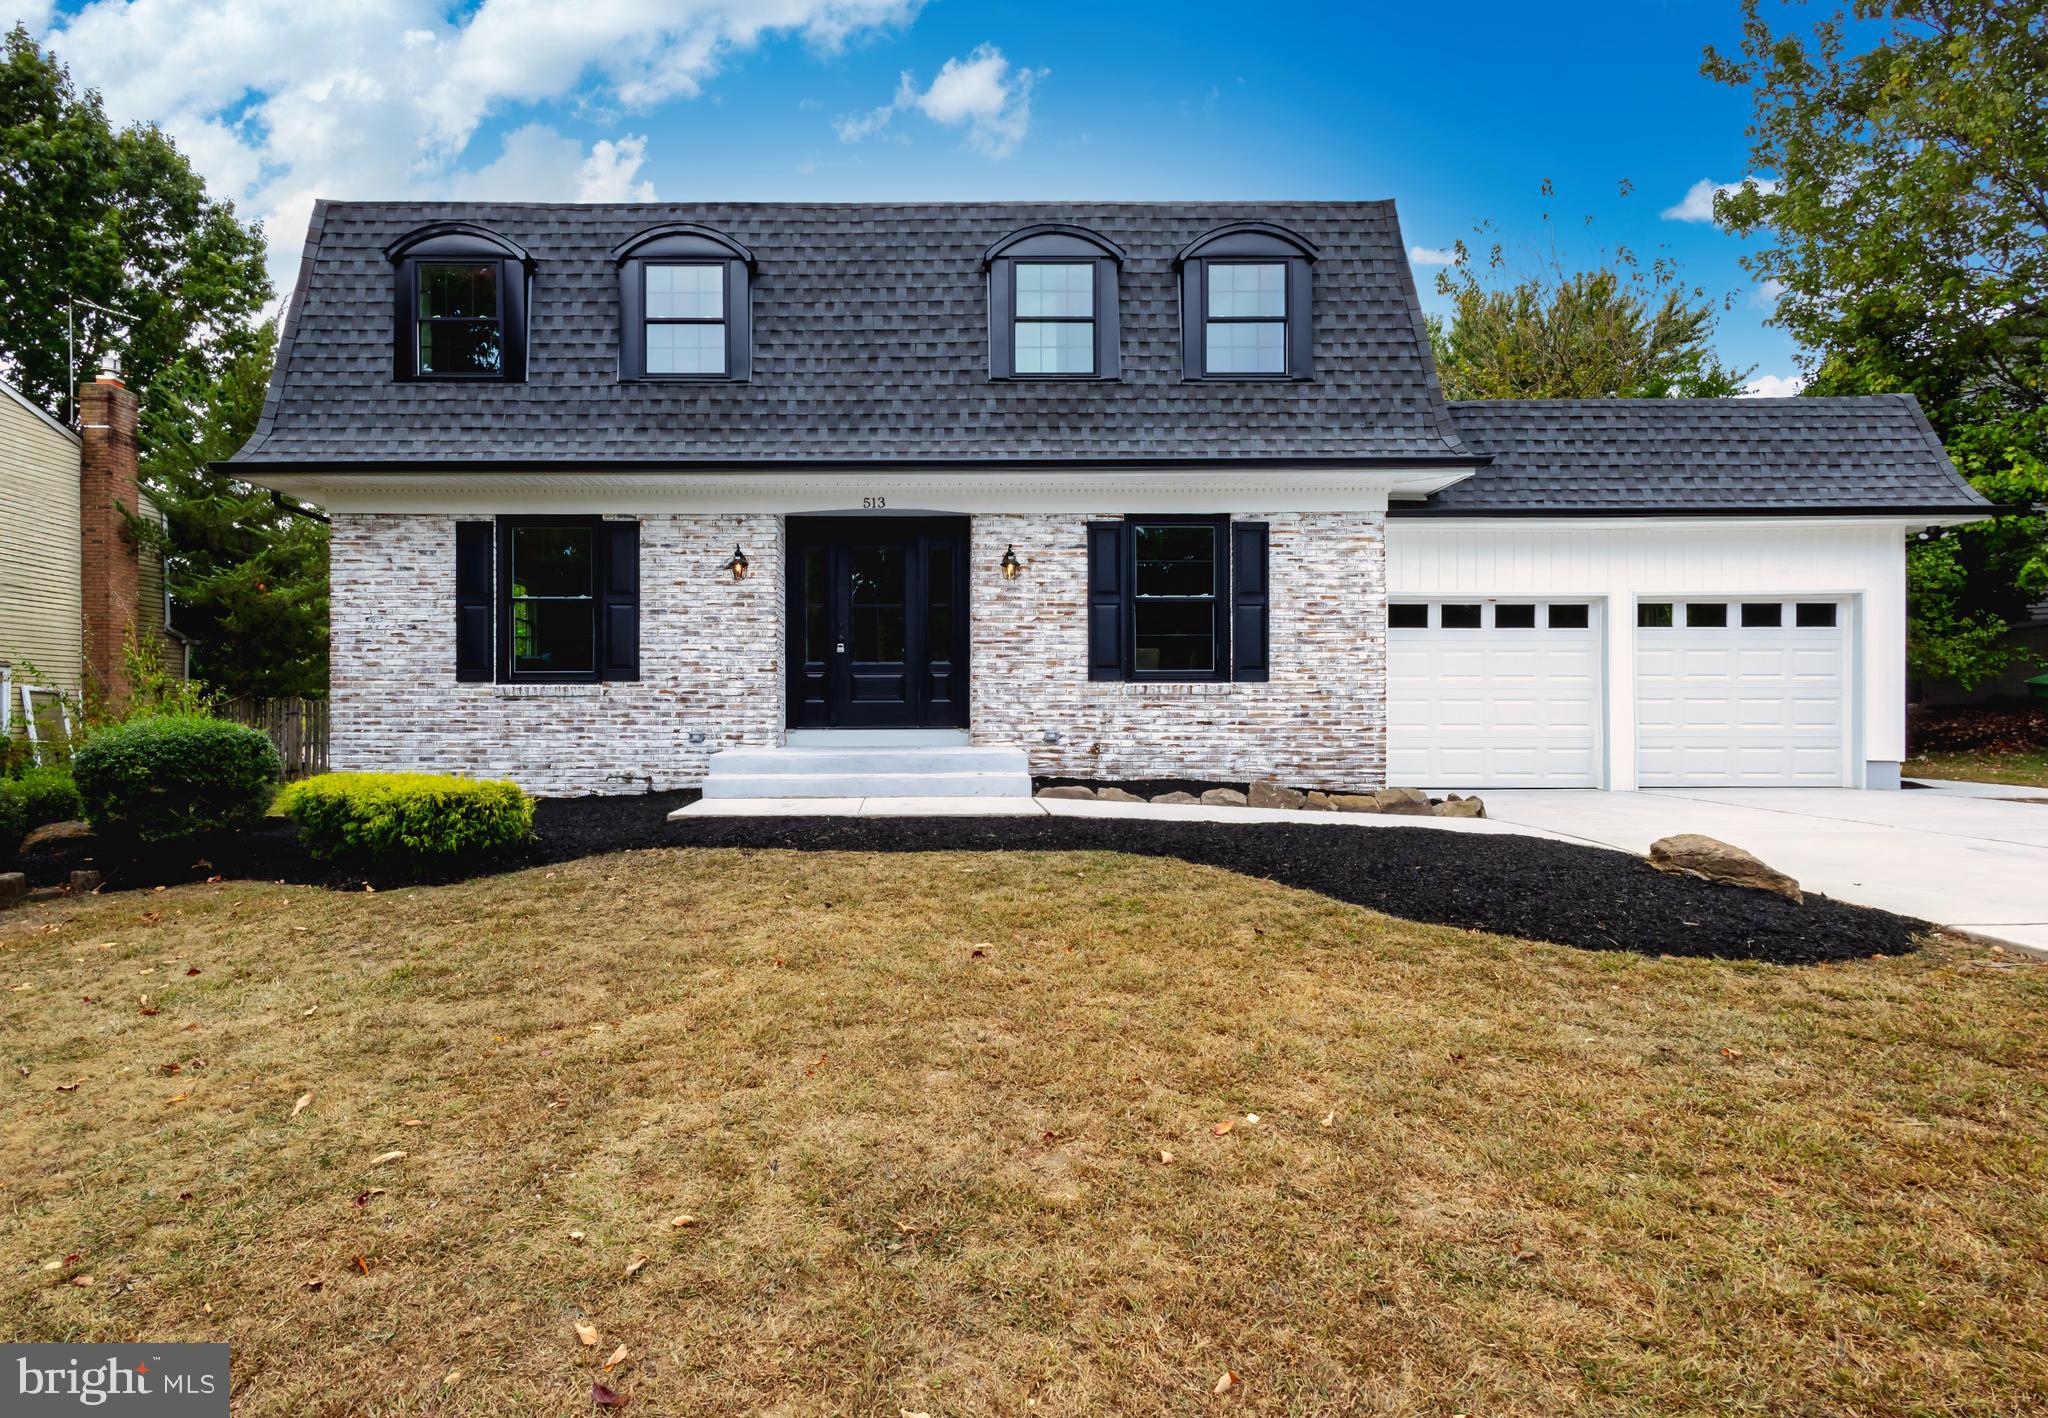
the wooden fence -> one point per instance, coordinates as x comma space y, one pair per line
297, 726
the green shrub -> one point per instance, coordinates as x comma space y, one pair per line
173, 777
49, 795
417, 816
13, 818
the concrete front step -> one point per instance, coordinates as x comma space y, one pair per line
860, 770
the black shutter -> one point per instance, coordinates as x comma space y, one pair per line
1105, 600
1248, 600
475, 589
619, 601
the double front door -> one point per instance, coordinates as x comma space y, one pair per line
877, 622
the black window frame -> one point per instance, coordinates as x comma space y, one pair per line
460, 244
723, 320
1220, 598
1248, 244
1054, 245
684, 244
507, 669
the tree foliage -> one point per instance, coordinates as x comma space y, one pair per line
120, 218
1907, 226
1620, 331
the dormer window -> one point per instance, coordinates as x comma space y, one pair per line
460, 306
1246, 304
684, 307
1052, 299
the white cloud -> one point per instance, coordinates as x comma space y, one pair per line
1765, 296
1698, 203
608, 173
282, 101
1432, 256
981, 92
1774, 386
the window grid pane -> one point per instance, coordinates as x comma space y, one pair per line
1046, 291
1246, 347
1243, 291
685, 292
1173, 608
1055, 347
686, 349
554, 600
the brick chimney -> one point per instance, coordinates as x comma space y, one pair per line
106, 497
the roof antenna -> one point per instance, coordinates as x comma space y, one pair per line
71, 304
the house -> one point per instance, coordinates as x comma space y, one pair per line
1127, 490
75, 586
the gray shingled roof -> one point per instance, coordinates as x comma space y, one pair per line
870, 342
1702, 455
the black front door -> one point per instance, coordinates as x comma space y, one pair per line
877, 622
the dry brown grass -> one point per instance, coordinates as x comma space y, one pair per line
930, 1180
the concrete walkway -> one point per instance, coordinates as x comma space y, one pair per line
1972, 859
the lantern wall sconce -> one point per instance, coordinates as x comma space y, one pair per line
1011, 566
738, 565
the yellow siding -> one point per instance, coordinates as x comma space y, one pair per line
149, 602
40, 597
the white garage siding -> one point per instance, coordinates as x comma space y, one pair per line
1858, 564
1493, 694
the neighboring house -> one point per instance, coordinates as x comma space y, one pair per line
74, 587
1145, 490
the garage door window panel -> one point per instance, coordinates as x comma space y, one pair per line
1706, 615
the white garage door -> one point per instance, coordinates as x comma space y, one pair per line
1741, 693
1493, 694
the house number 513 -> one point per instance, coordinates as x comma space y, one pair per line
873, 503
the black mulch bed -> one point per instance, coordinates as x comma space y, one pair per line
1520, 886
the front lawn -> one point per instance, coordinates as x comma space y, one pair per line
948, 1132
2026, 767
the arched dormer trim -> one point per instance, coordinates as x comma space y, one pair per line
1053, 304
1248, 239
685, 306
682, 239
1053, 239
465, 238
1247, 303
460, 295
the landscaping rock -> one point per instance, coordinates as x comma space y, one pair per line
1176, 799
1354, 802
55, 832
1068, 790
1455, 806
1710, 859
86, 882
13, 889
1406, 802
1318, 802
1224, 797
1116, 795
1267, 793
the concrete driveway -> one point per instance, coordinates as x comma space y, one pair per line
1967, 856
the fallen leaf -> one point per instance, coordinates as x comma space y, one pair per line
633, 1267
411, 1123
1226, 1383
587, 1333
1223, 1127
170, 1068
363, 1198
577, 1237
1730, 1053
1165, 1156
684, 1220
605, 1397
178, 1099
617, 1358
74, 1258
912, 1413
392, 1156
362, 1265
454, 1377
67, 1088
1251, 1117
305, 1102
17, 989
307, 1010
1329, 1117
81, 1280
315, 1283
184, 1196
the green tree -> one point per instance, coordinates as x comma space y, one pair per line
1907, 225
118, 218
1620, 331
247, 570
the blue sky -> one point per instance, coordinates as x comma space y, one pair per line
1459, 113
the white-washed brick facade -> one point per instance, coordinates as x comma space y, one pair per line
1319, 721
710, 663
711, 672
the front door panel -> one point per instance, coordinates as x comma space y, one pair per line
877, 622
